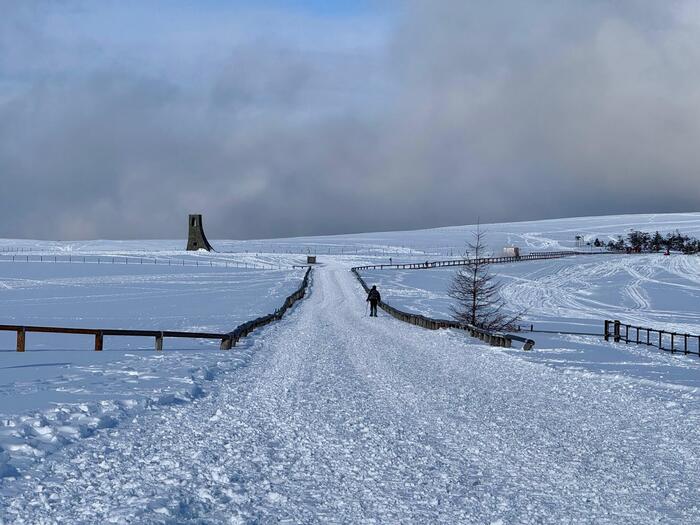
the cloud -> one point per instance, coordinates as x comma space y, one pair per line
448, 111
569, 108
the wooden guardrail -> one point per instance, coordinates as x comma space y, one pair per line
228, 340
490, 337
244, 329
482, 260
662, 339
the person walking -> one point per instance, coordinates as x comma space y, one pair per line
373, 298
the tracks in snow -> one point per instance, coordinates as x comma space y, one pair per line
630, 288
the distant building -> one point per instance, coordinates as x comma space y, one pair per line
511, 251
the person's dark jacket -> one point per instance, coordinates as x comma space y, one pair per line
374, 296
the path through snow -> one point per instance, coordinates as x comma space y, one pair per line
343, 418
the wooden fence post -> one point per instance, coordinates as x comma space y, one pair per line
21, 338
606, 330
616, 334
159, 342
99, 339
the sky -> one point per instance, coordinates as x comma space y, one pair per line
278, 118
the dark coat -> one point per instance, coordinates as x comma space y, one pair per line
374, 296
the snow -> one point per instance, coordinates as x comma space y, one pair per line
550, 235
575, 295
60, 391
331, 416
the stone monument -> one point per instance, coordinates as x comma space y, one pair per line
196, 240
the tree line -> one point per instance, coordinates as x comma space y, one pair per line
640, 241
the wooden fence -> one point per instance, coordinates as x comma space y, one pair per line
490, 337
244, 329
668, 341
228, 340
482, 260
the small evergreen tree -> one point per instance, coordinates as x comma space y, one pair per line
477, 293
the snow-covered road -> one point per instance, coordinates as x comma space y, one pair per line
338, 417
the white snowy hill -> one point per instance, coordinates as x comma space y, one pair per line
330, 416
553, 234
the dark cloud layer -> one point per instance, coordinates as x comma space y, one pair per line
503, 110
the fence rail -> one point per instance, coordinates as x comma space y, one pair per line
136, 260
490, 337
228, 340
482, 260
663, 339
244, 329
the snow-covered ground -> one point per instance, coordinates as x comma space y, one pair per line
572, 294
330, 416
556, 234
575, 295
60, 390
342, 418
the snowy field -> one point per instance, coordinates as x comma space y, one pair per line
572, 294
67, 390
330, 416
555, 234
575, 295
547, 235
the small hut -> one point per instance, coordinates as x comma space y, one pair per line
511, 251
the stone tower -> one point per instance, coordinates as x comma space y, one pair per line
196, 240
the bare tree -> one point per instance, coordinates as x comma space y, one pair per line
477, 293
